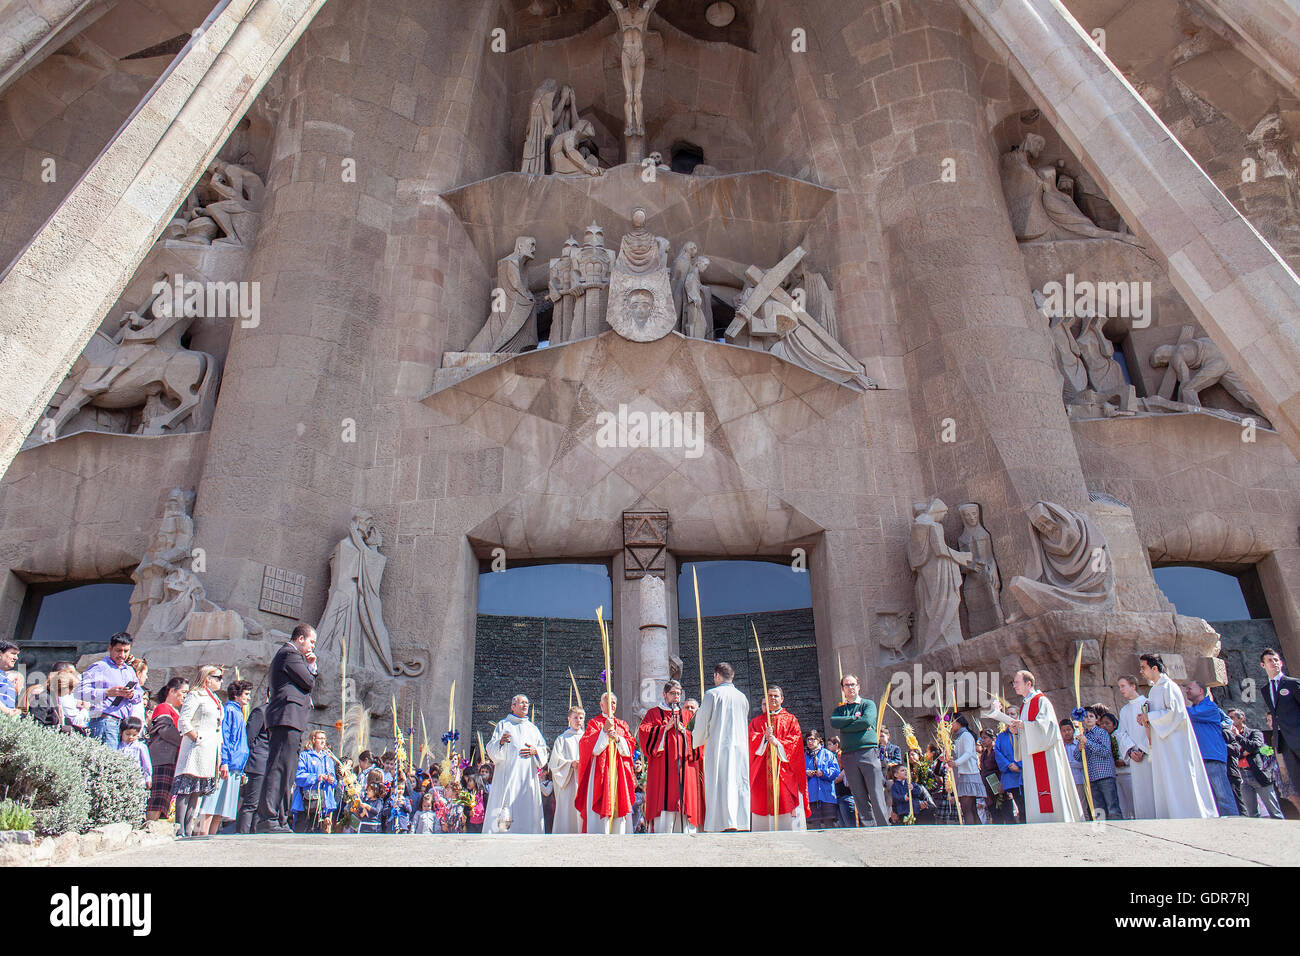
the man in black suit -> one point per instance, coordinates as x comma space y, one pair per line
259, 744
293, 674
1282, 694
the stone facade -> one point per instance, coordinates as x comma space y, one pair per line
869, 135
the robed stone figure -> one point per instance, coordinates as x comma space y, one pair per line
517, 750
722, 728
938, 579
353, 612
1050, 795
1069, 565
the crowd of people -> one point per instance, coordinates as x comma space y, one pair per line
215, 762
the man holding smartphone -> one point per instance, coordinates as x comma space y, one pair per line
110, 688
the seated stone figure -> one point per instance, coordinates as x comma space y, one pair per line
1069, 565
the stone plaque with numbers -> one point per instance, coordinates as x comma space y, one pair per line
282, 592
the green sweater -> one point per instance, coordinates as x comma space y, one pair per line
856, 724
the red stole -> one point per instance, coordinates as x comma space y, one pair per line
1042, 781
792, 776
593, 770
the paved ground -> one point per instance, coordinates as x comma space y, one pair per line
1163, 843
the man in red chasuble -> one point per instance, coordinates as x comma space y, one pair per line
672, 786
781, 745
606, 734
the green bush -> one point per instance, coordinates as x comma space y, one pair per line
16, 816
71, 783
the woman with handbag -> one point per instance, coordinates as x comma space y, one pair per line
198, 765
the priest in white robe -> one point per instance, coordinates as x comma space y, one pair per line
722, 729
1050, 796
1135, 747
518, 750
1178, 778
564, 773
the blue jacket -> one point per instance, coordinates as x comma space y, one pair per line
311, 767
1004, 752
1207, 721
821, 788
397, 814
234, 738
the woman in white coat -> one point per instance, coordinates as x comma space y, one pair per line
198, 769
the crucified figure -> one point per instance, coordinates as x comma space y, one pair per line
632, 22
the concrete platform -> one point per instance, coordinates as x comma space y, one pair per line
1154, 843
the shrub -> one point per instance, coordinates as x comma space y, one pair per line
16, 816
71, 783
38, 767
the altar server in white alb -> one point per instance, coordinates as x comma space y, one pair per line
722, 729
1181, 787
564, 772
1050, 796
518, 750
1135, 746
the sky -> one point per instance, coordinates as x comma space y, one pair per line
1200, 592
575, 590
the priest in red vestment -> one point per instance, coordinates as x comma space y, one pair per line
672, 768
782, 745
593, 801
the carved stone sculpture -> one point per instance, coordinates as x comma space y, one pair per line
1039, 209
1069, 566
632, 21
566, 158
592, 266
353, 614
1198, 365
167, 621
697, 321
938, 579
1105, 375
560, 290
227, 201
982, 573
681, 269
640, 289
773, 320
547, 117
1069, 357
172, 544
818, 299
143, 361
513, 329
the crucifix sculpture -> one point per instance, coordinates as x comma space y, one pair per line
632, 22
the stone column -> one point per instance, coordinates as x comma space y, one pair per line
652, 670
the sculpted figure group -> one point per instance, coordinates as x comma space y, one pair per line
1069, 568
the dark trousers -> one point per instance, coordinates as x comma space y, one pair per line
1013, 806
862, 774
277, 787
249, 798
